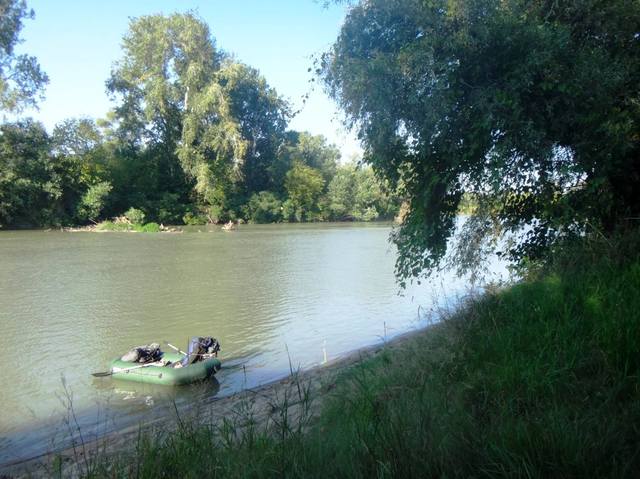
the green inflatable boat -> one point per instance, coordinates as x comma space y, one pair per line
157, 373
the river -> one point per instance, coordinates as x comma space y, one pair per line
274, 296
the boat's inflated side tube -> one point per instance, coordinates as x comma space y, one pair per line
166, 375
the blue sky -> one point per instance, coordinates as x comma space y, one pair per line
76, 43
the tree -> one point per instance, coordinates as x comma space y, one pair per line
371, 200
264, 207
210, 125
304, 186
169, 108
531, 106
93, 201
262, 116
355, 193
80, 141
341, 193
166, 60
31, 187
21, 79
313, 151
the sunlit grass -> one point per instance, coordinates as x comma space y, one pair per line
124, 227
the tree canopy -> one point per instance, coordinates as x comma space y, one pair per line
21, 79
194, 136
532, 106
215, 122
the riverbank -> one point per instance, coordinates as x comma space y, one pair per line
301, 394
268, 292
541, 379
117, 225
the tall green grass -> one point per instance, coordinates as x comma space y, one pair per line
124, 227
536, 380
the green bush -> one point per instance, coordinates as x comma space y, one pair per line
113, 226
369, 214
93, 201
167, 210
148, 228
290, 212
135, 215
191, 218
264, 207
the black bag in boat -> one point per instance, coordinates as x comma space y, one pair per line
200, 347
143, 354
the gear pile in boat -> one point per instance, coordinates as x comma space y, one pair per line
200, 348
143, 354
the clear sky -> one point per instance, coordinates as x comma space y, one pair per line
76, 43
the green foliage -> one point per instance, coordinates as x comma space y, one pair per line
195, 136
93, 201
290, 212
262, 117
355, 193
167, 210
370, 214
35, 188
81, 142
304, 186
341, 194
171, 110
264, 207
135, 215
124, 227
544, 132
21, 80
312, 151
166, 59
191, 218
468, 204
148, 228
209, 125
113, 226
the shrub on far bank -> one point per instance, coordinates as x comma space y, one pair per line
92, 202
264, 207
120, 226
147, 228
193, 219
168, 210
135, 215
109, 225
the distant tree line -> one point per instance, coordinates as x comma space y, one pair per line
194, 136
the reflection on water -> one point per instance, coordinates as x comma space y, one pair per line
69, 303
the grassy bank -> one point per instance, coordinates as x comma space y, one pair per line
124, 227
538, 380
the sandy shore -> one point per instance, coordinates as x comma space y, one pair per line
262, 403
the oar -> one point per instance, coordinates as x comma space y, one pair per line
177, 349
124, 370
182, 352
